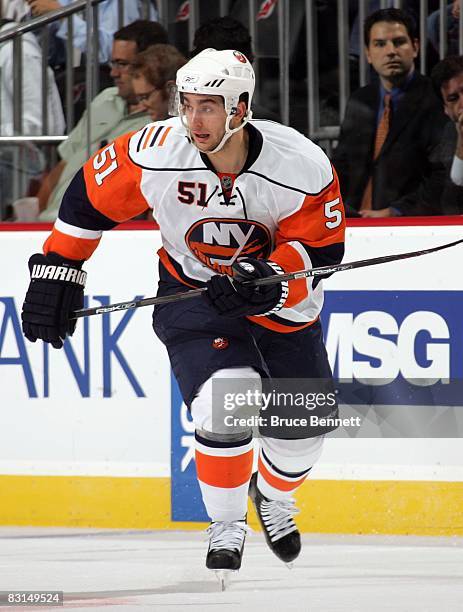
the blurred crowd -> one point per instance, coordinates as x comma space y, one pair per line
400, 145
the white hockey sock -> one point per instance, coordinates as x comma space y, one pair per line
224, 471
285, 464
224, 455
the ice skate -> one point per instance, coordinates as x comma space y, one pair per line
226, 542
276, 519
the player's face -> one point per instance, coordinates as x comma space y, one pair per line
150, 98
452, 93
391, 51
122, 56
206, 118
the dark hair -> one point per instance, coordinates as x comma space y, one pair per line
144, 33
158, 64
391, 15
451, 66
223, 33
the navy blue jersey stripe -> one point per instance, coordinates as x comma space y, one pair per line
141, 139
178, 269
156, 134
286, 322
324, 256
76, 209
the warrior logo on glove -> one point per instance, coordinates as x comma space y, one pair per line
63, 273
56, 290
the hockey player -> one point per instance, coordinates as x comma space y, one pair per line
235, 200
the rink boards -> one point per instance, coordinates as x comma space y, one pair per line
86, 433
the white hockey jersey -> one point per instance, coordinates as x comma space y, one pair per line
284, 205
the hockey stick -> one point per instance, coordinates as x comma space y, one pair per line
269, 280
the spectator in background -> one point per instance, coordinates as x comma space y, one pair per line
23, 163
451, 15
153, 76
108, 23
388, 152
31, 88
447, 77
16, 10
356, 34
224, 33
113, 112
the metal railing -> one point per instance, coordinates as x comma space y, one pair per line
39, 25
314, 129
16, 33
284, 35
331, 132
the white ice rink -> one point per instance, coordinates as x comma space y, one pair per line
146, 570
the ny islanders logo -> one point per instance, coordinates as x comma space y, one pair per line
240, 57
219, 243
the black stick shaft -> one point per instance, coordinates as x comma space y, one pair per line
270, 280
362, 263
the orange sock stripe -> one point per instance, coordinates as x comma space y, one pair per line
224, 472
278, 483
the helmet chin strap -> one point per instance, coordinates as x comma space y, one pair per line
227, 134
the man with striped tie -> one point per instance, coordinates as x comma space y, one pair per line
387, 157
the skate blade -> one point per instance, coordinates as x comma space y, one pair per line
290, 565
224, 576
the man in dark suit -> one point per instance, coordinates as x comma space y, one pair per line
447, 78
388, 153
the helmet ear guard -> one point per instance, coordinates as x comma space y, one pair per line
218, 73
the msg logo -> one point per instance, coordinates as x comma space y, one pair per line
373, 345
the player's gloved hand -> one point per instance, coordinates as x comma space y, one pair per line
231, 298
55, 291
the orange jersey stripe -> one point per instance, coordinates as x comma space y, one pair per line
70, 246
279, 327
170, 268
290, 260
319, 222
113, 183
164, 136
147, 137
224, 472
274, 481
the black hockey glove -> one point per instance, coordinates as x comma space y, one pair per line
232, 299
55, 291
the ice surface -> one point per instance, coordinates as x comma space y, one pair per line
148, 570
